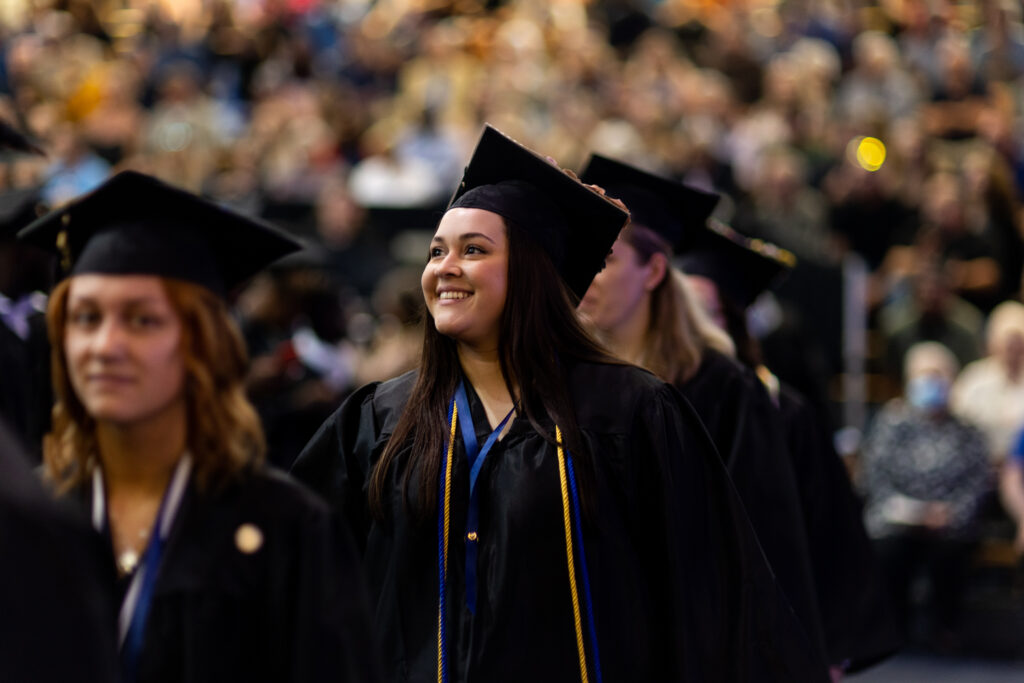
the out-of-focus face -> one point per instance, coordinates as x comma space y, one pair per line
465, 281
1011, 353
707, 295
122, 342
929, 378
621, 289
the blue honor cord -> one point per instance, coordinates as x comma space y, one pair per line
476, 457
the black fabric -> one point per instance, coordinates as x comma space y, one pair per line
17, 209
26, 396
741, 267
523, 205
585, 223
134, 224
293, 610
860, 625
56, 619
743, 423
681, 589
674, 210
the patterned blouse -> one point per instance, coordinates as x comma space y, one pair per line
910, 459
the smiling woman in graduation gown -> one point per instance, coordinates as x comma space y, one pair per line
225, 570
626, 556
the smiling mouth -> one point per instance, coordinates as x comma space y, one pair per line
446, 296
108, 379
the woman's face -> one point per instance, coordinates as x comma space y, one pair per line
621, 289
707, 295
466, 279
122, 342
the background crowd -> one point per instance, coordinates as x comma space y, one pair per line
887, 132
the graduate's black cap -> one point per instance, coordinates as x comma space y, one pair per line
18, 208
673, 210
575, 225
13, 140
741, 267
134, 224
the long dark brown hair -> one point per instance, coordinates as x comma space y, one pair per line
539, 335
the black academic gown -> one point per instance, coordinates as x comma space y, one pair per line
744, 425
859, 624
681, 591
25, 393
292, 610
56, 619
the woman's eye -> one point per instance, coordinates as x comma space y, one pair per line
473, 249
435, 252
84, 318
144, 320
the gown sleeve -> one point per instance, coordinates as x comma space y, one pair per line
336, 462
57, 620
746, 427
330, 637
728, 619
858, 622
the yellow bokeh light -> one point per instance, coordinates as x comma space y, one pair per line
870, 153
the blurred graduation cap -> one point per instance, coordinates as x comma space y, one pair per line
134, 224
741, 267
18, 208
15, 141
575, 225
673, 210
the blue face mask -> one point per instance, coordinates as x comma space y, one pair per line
928, 392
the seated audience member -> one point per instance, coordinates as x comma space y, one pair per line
931, 312
925, 474
990, 392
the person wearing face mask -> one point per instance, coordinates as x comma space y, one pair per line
925, 475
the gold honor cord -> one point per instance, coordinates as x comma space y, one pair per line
447, 519
567, 516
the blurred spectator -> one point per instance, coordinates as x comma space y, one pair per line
958, 93
76, 169
877, 88
783, 208
359, 256
398, 337
930, 312
925, 474
990, 392
301, 365
945, 237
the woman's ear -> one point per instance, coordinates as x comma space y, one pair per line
658, 266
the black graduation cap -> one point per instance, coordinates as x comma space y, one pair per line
134, 224
673, 210
575, 225
12, 139
18, 208
741, 267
